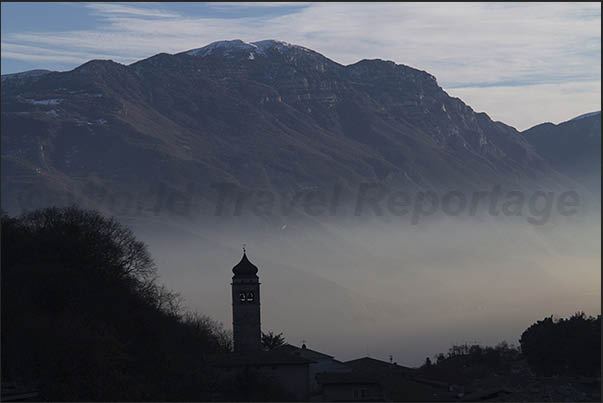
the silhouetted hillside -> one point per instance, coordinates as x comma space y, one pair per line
557, 360
564, 346
84, 319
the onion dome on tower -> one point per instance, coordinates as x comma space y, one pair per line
245, 268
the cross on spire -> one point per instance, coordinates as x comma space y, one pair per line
244, 248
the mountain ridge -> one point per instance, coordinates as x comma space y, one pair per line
572, 147
286, 120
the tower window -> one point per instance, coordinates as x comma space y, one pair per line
250, 297
242, 297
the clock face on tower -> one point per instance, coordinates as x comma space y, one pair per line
246, 297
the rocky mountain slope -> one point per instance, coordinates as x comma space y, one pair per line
264, 115
572, 148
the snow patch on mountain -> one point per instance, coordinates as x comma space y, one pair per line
53, 101
226, 48
223, 46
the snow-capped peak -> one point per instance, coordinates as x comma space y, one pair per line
227, 47
269, 43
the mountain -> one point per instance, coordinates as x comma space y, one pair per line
572, 148
262, 115
24, 75
16, 80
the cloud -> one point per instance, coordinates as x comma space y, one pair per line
108, 9
465, 45
35, 53
259, 4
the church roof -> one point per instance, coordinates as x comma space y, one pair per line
303, 352
372, 364
245, 268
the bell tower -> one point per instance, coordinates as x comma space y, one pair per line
246, 307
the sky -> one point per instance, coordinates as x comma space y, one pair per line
523, 64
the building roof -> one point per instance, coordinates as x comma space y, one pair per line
346, 378
372, 364
303, 351
245, 268
256, 358
399, 387
338, 366
396, 385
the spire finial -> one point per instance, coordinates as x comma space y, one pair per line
244, 248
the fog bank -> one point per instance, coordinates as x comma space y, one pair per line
356, 286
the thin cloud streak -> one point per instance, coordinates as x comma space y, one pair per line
259, 4
32, 53
112, 9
